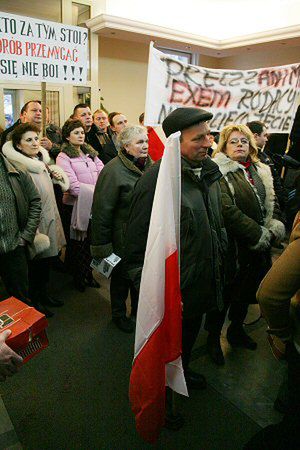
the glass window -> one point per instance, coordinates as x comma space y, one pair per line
9, 109
45, 9
81, 94
184, 57
14, 99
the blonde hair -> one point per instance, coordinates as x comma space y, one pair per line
226, 132
99, 111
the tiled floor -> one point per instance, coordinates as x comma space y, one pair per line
42, 394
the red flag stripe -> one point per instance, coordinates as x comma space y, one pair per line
148, 376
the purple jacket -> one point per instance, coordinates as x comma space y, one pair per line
80, 169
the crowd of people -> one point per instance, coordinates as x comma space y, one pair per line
86, 191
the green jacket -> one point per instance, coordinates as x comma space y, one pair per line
247, 221
249, 224
203, 238
27, 198
111, 204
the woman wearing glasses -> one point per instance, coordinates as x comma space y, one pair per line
252, 221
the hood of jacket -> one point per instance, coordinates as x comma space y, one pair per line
72, 152
32, 165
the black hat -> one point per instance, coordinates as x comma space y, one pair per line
182, 118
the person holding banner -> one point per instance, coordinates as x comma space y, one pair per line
251, 213
31, 112
203, 240
110, 214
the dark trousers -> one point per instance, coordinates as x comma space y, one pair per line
120, 286
78, 255
14, 273
39, 272
190, 331
237, 314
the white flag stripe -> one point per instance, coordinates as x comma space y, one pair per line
174, 378
163, 217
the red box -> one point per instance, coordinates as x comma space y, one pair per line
28, 336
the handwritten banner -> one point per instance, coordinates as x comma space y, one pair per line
270, 95
39, 50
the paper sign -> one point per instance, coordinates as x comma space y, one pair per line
39, 50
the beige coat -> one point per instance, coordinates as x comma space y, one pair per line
50, 222
279, 292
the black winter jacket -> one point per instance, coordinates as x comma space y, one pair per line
203, 238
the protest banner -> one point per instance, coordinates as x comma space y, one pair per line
39, 50
270, 95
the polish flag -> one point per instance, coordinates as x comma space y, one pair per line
157, 360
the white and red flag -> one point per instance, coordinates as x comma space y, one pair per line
158, 339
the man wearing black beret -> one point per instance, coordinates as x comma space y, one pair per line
202, 235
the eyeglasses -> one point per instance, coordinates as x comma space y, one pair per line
235, 141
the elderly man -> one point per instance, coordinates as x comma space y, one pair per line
98, 139
202, 236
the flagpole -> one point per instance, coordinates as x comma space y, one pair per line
43, 86
173, 420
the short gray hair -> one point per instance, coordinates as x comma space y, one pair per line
129, 133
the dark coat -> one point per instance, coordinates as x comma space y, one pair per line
111, 205
280, 191
106, 152
248, 224
28, 200
202, 235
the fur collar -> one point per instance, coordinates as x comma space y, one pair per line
72, 152
32, 165
227, 165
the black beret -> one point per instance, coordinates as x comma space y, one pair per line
182, 118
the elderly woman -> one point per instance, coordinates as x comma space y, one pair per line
81, 164
110, 214
250, 214
24, 148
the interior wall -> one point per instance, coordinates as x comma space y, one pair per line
209, 61
277, 56
123, 76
